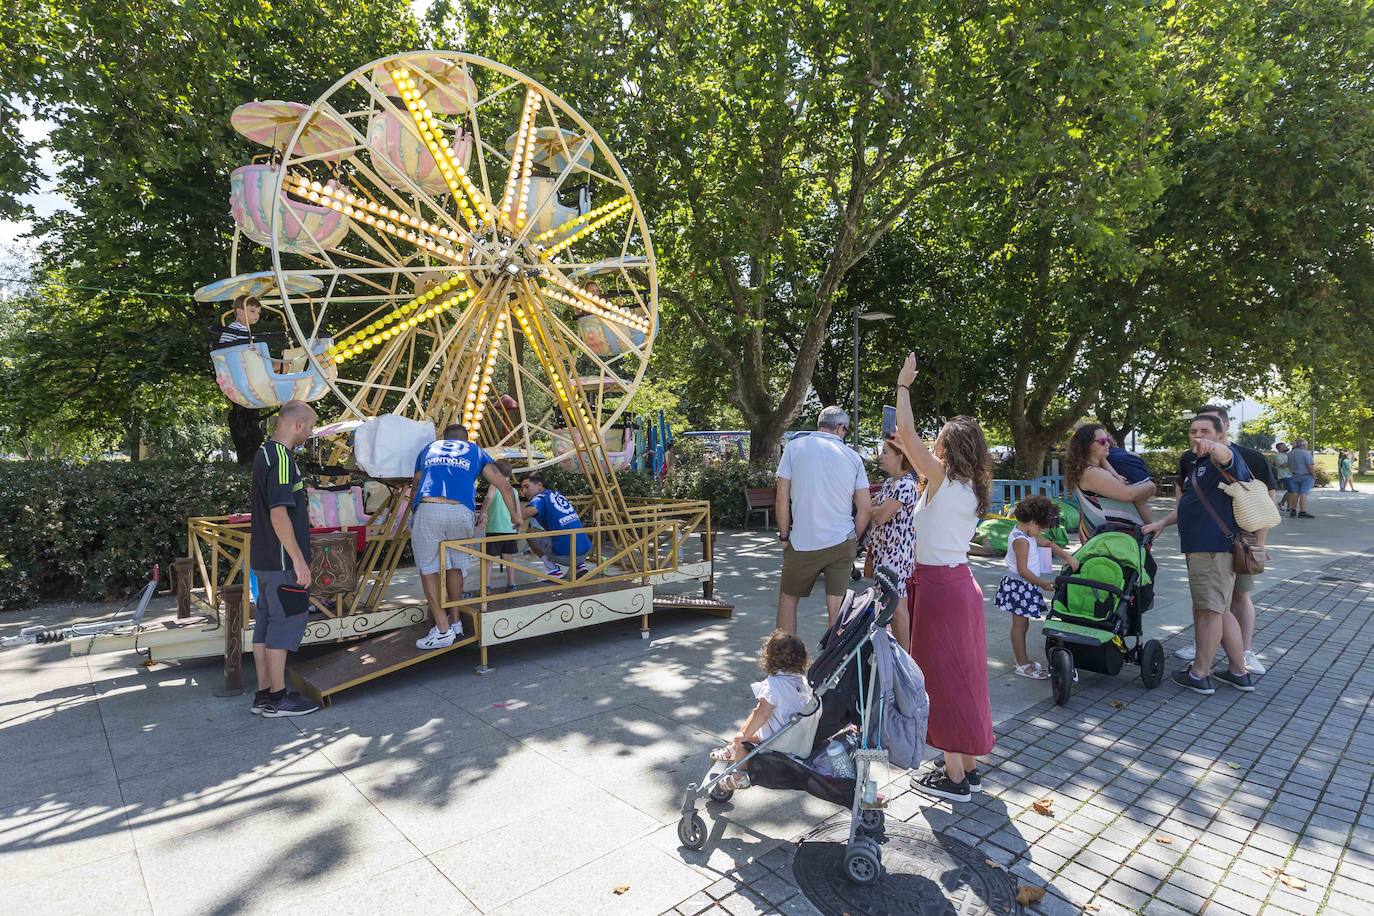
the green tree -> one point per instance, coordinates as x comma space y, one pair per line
140, 95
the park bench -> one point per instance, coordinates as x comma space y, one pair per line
760, 499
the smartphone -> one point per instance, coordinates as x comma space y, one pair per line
889, 422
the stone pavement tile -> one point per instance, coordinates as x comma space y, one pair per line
1211, 875
745, 903
1345, 905
1295, 901
554, 842
779, 858
1083, 876
657, 881
1124, 894
723, 888
44, 754
111, 886
638, 756
1165, 908
775, 888
414, 888
63, 831
221, 793
695, 904
303, 838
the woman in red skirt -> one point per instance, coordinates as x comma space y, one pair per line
948, 638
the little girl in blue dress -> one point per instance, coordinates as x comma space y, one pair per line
1030, 568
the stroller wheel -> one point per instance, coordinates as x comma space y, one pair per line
871, 821
719, 792
861, 863
691, 831
1152, 663
1061, 675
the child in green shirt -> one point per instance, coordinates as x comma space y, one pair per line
499, 521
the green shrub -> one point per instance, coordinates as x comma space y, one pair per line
94, 530
722, 483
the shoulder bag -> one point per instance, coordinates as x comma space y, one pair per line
1254, 510
1247, 556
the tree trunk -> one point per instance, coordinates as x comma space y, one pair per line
1364, 446
133, 438
765, 442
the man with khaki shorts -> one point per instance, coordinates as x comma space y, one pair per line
823, 507
1206, 523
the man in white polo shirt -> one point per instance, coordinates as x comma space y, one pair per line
823, 507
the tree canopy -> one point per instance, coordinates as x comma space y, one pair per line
1109, 210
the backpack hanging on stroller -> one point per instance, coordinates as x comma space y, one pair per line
878, 714
1095, 610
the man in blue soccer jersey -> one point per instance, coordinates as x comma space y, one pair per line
548, 510
445, 509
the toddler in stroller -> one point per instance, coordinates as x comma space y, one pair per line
782, 694
869, 706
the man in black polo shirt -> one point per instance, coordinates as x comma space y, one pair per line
280, 557
1260, 469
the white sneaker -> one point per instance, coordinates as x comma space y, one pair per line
1252, 662
436, 640
552, 568
1187, 653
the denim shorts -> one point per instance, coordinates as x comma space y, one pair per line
1301, 483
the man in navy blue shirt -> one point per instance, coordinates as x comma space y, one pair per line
1207, 547
550, 511
445, 500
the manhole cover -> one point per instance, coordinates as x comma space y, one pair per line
923, 873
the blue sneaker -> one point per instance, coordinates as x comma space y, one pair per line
1183, 677
1239, 681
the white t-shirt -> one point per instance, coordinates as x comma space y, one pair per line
945, 525
789, 694
824, 473
1035, 555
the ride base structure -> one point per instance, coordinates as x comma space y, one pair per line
427, 270
666, 542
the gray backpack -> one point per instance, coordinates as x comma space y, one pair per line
902, 705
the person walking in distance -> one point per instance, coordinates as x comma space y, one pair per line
445, 509
1303, 465
279, 556
1283, 474
948, 635
1242, 607
1206, 522
823, 508
1346, 469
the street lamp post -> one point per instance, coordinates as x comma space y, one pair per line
861, 316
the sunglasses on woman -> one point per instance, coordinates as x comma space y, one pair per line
1105, 440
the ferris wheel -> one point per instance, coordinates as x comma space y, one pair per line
481, 256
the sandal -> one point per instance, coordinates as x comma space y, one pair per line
1031, 670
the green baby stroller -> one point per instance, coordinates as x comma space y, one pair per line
1097, 609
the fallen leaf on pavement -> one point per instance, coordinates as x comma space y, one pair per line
1234, 766
1027, 894
992, 864
621, 890
1272, 872
1091, 907
1167, 841
1116, 704
1295, 883
1044, 806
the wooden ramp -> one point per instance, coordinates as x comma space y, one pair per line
359, 662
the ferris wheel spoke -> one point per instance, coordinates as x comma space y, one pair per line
420, 198
584, 300
518, 176
463, 190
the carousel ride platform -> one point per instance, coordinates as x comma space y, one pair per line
375, 616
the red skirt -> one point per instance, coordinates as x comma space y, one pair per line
949, 642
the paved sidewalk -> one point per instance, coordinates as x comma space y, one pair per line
1165, 802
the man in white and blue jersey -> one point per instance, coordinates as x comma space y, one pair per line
445, 509
548, 510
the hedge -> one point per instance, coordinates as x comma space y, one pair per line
94, 530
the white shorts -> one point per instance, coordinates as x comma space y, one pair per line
433, 523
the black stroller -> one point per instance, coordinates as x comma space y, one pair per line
794, 757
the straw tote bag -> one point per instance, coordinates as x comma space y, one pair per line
1250, 501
